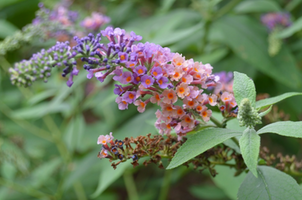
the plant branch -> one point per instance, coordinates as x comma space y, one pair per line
79, 190
24, 124
25, 190
216, 122
165, 185
130, 185
227, 8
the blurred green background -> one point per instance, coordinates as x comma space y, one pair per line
48, 132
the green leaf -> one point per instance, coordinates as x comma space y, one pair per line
207, 192
5, 3
166, 5
257, 6
8, 170
42, 173
248, 40
292, 5
295, 27
232, 124
287, 128
244, 87
271, 184
108, 176
199, 143
12, 153
225, 177
39, 110
213, 57
6, 28
265, 112
41, 96
5, 193
162, 26
74, 133
169, 37
232, 144
250, 146
269, 101
81, 168
137, 125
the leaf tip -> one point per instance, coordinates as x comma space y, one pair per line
170, 167
255, 173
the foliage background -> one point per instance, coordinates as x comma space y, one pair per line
49, 131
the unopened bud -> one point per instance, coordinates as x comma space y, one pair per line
247, 115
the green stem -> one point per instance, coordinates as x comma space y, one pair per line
205, 36
57, 137
216, 122
208, 22
130, 185
165, 186
227, 8
225, 120
63, 150
25, 190
24, 124
223, 163
79, 190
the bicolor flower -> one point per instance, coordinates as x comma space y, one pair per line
169, 96
162, 82
123, 57
141, 106
147, 81
129, 96
155, 98
104, 139
122, 104
182, 90
126, 78
140, 70
156, 72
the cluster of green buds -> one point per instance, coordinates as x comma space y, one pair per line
247, 115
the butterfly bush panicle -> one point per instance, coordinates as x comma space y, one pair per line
275, 20
145, 73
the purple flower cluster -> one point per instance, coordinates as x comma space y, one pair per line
101, 57
98, 57
61, 15
277, 19
61, 23
40, 64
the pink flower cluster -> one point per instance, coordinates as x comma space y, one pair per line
224, 82
64, 16
95, 22
104, 140
152, 74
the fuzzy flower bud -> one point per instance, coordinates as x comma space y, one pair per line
247, 115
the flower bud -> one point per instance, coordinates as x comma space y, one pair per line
247, 115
